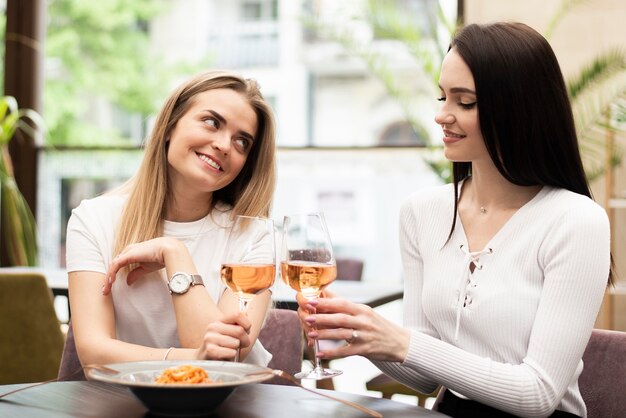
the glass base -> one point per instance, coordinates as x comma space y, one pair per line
318, 374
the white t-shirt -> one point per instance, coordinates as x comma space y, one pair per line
512, 333
144, 313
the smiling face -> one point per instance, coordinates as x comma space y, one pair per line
458, 115
210, 143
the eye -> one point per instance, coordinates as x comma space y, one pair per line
441, 99
212, 122
243, 144
468, 106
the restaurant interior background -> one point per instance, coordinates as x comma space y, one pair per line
354, 105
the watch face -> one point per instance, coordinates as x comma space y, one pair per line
180, 283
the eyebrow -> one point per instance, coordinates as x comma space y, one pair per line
222, 120
460, 90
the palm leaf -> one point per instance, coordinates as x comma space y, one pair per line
600, 69
599, 87
565, 7
18, 226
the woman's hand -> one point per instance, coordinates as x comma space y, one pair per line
305, 309
368, 334
150, 256
224, 337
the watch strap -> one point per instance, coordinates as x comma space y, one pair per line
196, 279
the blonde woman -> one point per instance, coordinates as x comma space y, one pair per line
210, 157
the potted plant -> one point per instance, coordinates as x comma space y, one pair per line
17, 227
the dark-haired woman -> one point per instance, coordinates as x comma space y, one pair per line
506, 268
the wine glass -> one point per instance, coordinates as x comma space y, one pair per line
249, 265
308, 266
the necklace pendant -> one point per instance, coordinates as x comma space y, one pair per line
483, 209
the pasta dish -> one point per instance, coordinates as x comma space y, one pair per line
184, 374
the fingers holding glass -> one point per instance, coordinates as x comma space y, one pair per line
249, 266
308, 266
223, 339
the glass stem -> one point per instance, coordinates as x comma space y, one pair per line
243, 307
318, 361
316, 348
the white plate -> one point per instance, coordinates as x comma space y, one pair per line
144, 373
180, 399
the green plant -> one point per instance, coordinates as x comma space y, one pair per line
17, 226
597, 94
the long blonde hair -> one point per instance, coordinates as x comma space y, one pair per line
250, 193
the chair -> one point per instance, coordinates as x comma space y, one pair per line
602, 381
349, 269
389, 387
31, 341
604, 374
281, 335
70, 368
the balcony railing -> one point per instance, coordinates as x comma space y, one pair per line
247, 44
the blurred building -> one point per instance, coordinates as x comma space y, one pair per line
345, 146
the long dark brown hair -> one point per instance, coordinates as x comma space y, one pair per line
525, 114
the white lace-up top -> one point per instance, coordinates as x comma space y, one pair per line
464, 291
510, 334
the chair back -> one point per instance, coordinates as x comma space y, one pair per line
31, 340
438, 398
70, 368
604, 374
602, 381
349, 269
281, 335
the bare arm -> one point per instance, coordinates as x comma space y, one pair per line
93, 321
205, 330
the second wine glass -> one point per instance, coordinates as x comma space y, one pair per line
249, 266
308, 266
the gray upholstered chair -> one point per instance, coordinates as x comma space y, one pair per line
604, 375
349, 269
70, 368
281, 335
31, 340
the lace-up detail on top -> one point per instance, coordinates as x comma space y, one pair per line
467, 281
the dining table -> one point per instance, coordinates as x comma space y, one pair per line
91, 399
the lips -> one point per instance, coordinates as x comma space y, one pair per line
209, 161
449, 136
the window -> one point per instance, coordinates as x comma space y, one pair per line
259, 10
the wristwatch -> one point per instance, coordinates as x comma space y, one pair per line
180, 282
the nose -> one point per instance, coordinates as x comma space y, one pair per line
221, 142
444, 116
